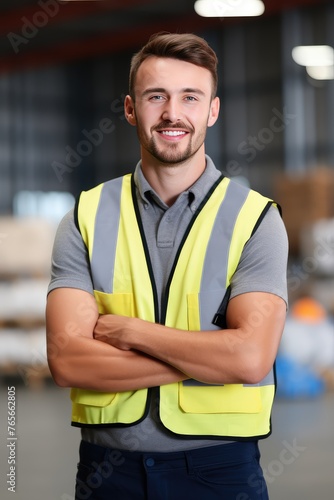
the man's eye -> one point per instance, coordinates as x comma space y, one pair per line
190, 98
156, 98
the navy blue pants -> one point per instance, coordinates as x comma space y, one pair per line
225, 472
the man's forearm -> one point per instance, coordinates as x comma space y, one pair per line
198, 354
76, 359
243, 353
90, 364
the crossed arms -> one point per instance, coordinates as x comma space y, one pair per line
116, 353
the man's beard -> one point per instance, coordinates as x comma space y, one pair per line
171, 154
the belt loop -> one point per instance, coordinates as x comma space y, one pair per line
189, 461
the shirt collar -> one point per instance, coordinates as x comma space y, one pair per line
196, 192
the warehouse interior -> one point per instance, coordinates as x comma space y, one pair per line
63, 79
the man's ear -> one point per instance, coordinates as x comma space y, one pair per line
129, 110
214, 111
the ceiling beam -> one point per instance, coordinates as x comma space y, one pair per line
106, 43
274, 6
58, 11
124, 39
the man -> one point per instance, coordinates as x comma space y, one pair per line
167, 302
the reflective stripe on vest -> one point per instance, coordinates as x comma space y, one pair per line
124, 284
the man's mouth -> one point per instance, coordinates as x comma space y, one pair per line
172, 133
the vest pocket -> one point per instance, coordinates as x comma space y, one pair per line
230, 398
93, 398
115, 303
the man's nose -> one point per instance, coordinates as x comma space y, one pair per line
171, 111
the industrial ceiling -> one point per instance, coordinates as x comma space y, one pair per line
42, 32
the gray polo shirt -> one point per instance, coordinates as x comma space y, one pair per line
262, 268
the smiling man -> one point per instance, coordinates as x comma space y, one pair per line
172, 119
168, 299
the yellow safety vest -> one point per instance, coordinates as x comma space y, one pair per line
111, 228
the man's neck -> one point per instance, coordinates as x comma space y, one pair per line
169, 181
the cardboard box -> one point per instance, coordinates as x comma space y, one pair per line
304, 198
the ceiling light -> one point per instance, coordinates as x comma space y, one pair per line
229, 8
321, 72
313, 55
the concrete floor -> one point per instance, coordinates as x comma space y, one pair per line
297, 459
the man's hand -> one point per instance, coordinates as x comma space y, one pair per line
115, 330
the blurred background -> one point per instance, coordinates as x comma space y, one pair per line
63, 78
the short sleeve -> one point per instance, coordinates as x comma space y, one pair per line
70, 264
263, 263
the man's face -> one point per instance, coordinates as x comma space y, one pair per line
173, 108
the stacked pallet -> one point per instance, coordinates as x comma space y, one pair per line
25, 257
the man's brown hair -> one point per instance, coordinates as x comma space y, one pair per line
183, 46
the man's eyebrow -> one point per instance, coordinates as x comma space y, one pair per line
186, 90
192, 90
153, 90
